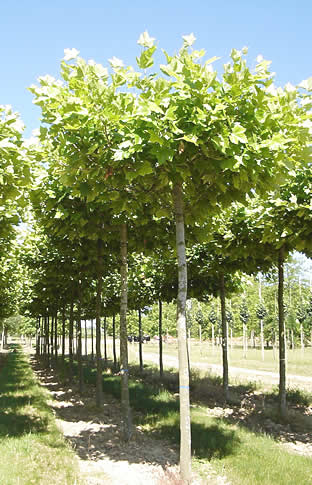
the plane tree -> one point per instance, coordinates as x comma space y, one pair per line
214, 141
192, 140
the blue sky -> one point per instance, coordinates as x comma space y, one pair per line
34, 34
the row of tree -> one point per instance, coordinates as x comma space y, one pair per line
194, 170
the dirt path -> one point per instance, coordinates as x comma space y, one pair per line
237, 372
95, 436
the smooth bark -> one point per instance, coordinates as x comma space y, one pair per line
114, 342
92, 341
38, 334
126, 420
282, 336
63, 335
2, 337
262, 339
48, 341
161, 366
86, 337
224, 324
79, 341
105, 340
99, 383
52, 337
55, 337
184, 379
71, 339
140, 340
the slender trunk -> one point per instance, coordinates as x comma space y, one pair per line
281, 328
184, 378
2, 337
105, 340
262, 339
274, 345
301, 337
38, 337
126, 423
253, 340
52, 338
99, 383
212, 336
48, 341
244, 341
200, 339
70, 339
114, 342
161, 365
92, 341
86, 337
55, 338
292, 340
246, 335
63, 335
140, 340
224, 339
44, 339
79, 341
189, 350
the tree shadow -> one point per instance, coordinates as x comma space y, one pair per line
96, 434
18, 414
14, 425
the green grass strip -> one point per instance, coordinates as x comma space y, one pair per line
32, 449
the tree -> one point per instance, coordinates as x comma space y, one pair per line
194, 141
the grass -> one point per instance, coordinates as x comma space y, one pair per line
32, 449
245, 457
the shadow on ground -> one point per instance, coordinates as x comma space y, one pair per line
95, 434
18, 397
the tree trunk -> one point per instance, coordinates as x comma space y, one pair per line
2, 337
86, 337
244, 341
79, 341
189, 350
212, 336
114, 343
44, 339
105, 340
160, 333
140, 340
224, 339
282, 336
52, 338
55, 338
92, 341
99, 383
71, 339
184, 379
262, 339
63, 335
38, 335
253, 340
48, 341
301, 337
200, 339
126, 423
